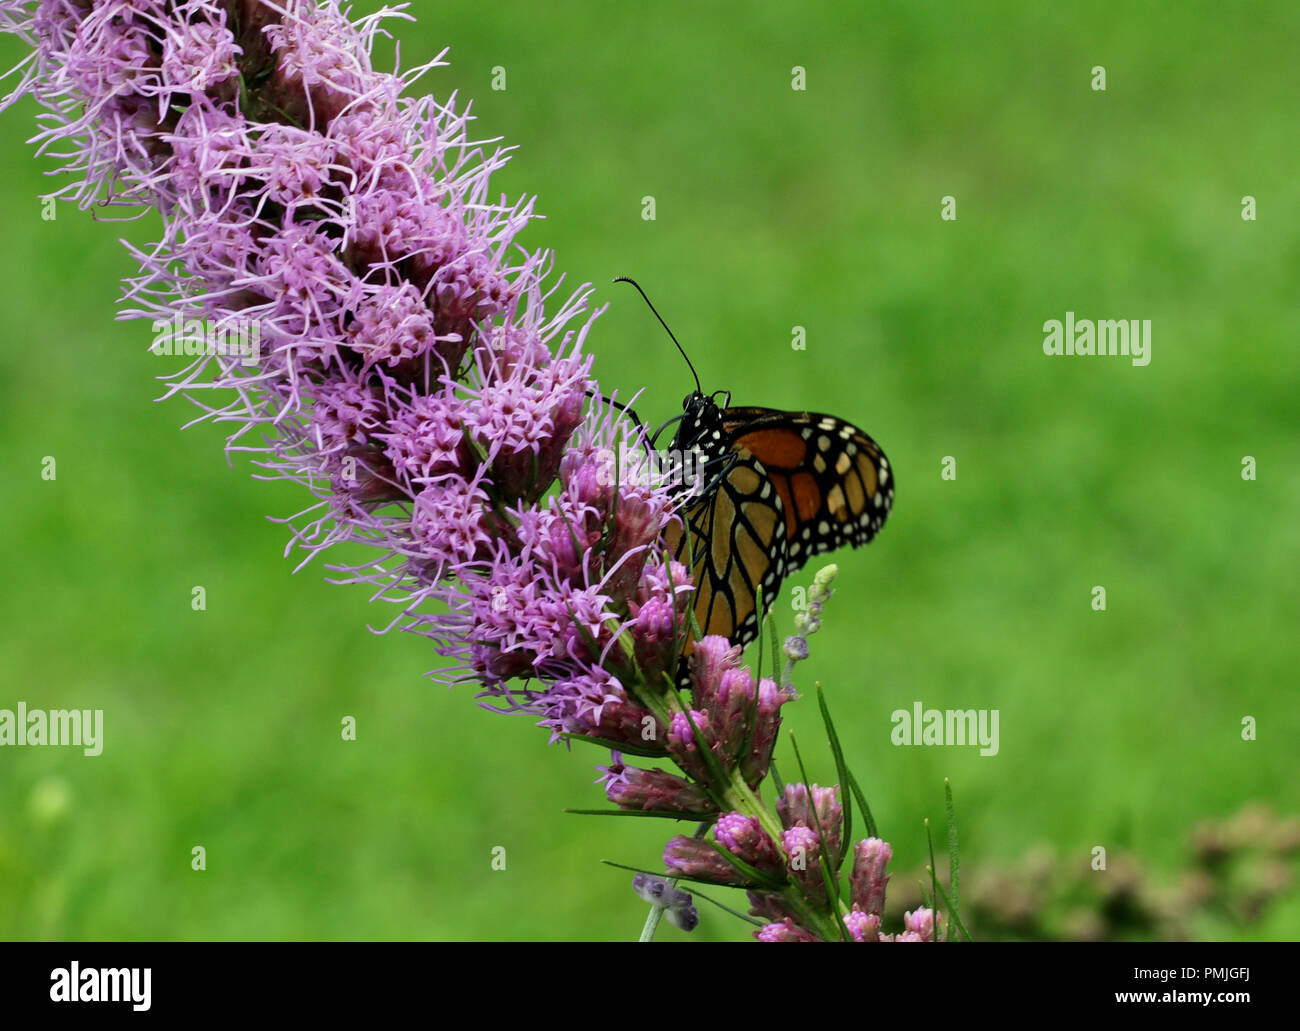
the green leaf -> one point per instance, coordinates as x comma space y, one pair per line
673, 875
734, 912
751, 724
776, 651
934, 877
690, 565
953, 857
618, 746
661, 814
776, 778
841, 773
952, 914
862, 804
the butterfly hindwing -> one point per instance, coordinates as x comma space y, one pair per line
835, 483
779, 487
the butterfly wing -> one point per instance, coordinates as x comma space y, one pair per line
835, 483
792, 485
738, 543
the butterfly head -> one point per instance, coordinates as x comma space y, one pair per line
701, 423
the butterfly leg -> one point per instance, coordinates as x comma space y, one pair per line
626, 409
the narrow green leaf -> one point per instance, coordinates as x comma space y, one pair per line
734, 912
862, 804
661, 814
953, 857
673, 875
618, 746
776, 650
751, 724
690, 567
934, 877
841, 774
952, 915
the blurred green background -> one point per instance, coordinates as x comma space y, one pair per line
775, 208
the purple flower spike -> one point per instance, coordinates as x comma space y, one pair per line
730, 711
771, 906
412, 368
596, 705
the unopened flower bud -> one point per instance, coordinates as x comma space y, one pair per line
699, 859
744, 837
867, 882
786, 931
631, 788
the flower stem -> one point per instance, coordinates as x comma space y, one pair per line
652, 921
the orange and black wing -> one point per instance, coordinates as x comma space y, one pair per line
738, 543
835, 484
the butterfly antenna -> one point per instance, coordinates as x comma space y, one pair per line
626, 279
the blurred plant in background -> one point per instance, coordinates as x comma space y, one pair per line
1235, 870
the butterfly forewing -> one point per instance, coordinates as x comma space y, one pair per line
738, 542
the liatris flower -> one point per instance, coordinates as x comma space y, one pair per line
410, 375
403, 366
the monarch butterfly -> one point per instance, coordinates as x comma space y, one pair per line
780, 487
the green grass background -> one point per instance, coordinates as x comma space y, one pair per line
775, 208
